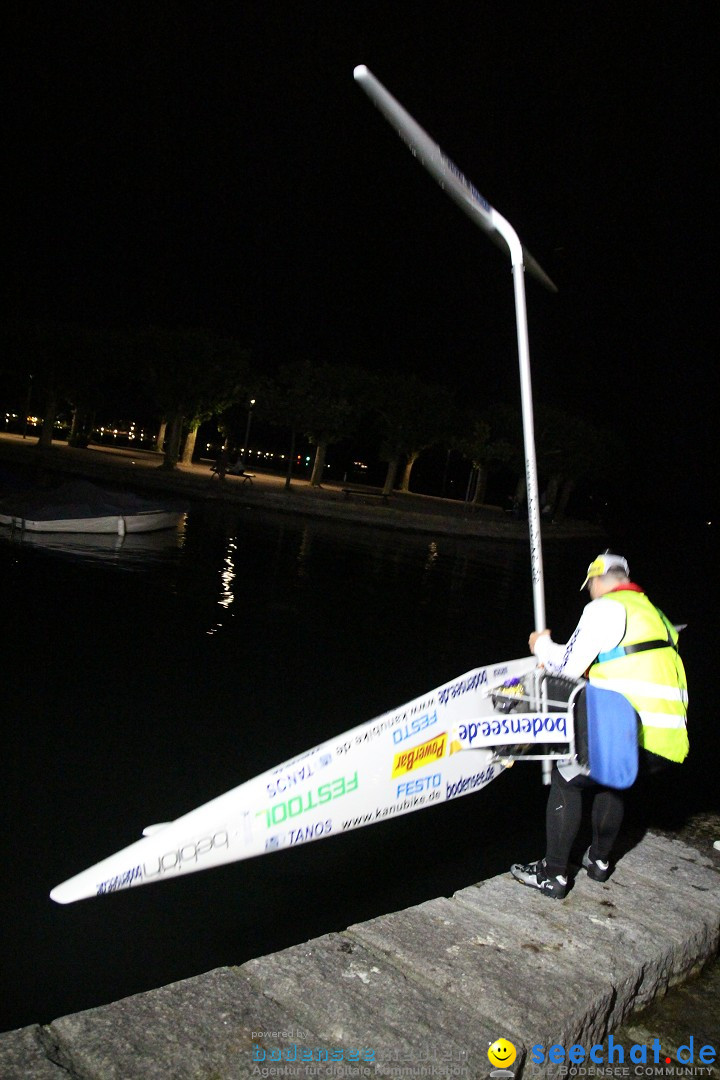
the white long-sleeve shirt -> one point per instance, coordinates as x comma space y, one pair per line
601, 628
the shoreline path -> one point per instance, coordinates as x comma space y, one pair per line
143, 469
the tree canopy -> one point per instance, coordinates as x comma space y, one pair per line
187, 376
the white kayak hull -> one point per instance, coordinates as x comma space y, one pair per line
404, 760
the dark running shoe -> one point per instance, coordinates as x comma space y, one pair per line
596, 868
534, 875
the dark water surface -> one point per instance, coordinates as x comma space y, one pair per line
140, 681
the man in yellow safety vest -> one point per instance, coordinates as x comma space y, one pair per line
622, 643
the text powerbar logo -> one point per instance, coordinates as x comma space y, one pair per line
426, 754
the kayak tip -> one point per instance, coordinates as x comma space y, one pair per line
61, 894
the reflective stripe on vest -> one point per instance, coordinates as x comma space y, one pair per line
647, 670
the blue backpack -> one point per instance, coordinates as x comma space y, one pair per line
612, 737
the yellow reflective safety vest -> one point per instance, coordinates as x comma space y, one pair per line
646, 669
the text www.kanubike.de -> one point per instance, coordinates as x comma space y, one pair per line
460, 787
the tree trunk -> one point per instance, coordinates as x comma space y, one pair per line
480, 485
565, 493
318, 465
412, 458
520, 498
48, 424
390, 476
75, 425
291, 459
160, 440
189, 448
172, 448
551, 494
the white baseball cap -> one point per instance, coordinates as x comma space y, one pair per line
603, 565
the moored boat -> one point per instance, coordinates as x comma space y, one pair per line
82, 507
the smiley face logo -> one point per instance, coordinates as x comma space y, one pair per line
501, 1053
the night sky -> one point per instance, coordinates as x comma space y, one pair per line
215, 165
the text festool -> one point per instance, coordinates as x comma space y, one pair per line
299, 804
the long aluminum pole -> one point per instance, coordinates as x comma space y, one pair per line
467, 196
533, 496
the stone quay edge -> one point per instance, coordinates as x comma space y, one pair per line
419, 992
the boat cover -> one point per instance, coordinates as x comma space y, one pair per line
77, 499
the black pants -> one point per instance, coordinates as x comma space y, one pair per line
563, 814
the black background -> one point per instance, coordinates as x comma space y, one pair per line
215, 165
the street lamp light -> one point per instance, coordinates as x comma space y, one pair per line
247, 432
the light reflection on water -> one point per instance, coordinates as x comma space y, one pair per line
125, 705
